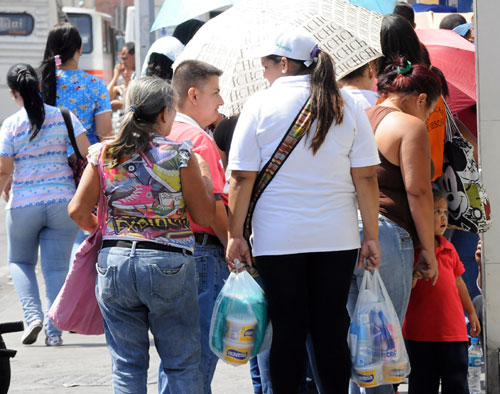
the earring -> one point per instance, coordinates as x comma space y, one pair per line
283, 71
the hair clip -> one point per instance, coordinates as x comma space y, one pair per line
315, 52
132, 108
57, 60
405, 69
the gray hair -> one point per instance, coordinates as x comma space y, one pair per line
146, 98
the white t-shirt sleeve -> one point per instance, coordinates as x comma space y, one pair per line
245, 151
364, 152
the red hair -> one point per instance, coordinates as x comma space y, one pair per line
402, 77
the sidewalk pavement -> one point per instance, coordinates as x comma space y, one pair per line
82, 365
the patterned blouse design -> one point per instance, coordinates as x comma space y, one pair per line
144, 196
83, 94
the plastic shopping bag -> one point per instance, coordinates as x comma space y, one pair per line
378, 353
240, 328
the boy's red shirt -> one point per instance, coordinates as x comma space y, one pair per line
435, 313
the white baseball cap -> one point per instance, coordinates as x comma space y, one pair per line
293, 43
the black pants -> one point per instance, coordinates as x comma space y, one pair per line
432, 362
307, 293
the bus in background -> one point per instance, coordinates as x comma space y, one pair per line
24, 26
98, 41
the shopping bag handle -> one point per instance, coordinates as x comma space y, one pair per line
366, 283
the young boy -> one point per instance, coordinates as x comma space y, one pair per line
434, 326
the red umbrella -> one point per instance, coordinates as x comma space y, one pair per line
455, 57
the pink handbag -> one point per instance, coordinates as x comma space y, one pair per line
75, 307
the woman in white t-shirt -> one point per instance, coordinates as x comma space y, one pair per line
305, 226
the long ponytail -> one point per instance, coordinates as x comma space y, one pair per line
22, 78
327, 103
62, 43
146, 98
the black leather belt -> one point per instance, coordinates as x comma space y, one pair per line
206, 239
112, 243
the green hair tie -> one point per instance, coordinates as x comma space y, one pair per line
405, 69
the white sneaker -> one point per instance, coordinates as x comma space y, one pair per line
31, 334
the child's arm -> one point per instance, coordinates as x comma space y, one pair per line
475, 327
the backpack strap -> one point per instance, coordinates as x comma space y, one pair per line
300, 126
71, 132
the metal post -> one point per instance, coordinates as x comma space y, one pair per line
144, 18
487, 61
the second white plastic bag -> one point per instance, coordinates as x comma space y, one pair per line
378, 353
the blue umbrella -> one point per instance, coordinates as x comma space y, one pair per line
174, 12
381, 6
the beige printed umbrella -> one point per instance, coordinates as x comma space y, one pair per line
350, 34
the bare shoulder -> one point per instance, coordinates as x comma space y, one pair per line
403, 125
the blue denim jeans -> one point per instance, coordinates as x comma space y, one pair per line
80, 237
212, 272
50, 228
140, 290
396, 269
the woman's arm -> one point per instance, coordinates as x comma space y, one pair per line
103, 125
415, 164
475, 327
197, 190
6, 168
366, 185
86, 197
240, 191
83, 144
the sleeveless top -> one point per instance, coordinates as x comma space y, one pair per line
393, 199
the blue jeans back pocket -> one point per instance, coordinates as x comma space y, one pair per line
106, 282
167, 282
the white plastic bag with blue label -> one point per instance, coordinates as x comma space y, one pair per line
240, 328
378, 353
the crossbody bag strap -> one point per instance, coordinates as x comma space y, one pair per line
71, 132
451, 125
301, 124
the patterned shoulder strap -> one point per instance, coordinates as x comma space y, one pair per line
298, 128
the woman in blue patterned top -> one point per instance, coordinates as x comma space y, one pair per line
34, 150
64, 85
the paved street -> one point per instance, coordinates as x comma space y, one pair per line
83, 364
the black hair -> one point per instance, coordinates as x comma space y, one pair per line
406, 11
22, 78
327, 102
186, 30
438, 195
64, 40
427, 61
451, 21
130, 47
160, 66
356, 73
398, 38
